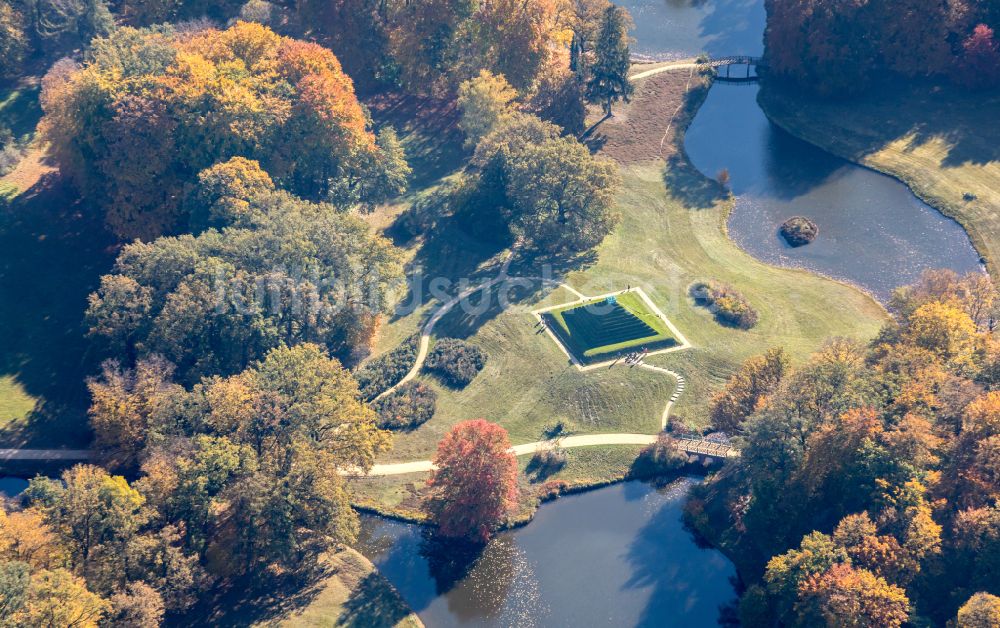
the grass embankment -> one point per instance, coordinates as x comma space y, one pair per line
342, 588
354, 595
672, 234
586, 467
941, 142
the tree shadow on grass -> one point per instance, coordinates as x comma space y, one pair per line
690, 186
962, 119
373, 604
55, 249
428, 130
256, 599
450, 262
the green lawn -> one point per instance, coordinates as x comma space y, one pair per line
942, 142
672, 234
15, 403
604, 328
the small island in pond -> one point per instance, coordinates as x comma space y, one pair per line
798, 231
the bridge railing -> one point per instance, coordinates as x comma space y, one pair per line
702, 447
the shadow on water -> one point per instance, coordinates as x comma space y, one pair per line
872, 230
587, 559
674, 584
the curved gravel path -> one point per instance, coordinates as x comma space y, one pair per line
583, 440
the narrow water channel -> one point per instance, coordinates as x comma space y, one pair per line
618, 556
873, 231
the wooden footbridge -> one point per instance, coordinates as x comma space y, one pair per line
707, 448
736, 68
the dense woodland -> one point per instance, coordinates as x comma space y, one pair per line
225, 146
868, 483
838, 48
226, 149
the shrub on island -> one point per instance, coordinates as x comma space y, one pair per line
798, 231
385, 371
410, 406
729, 306
455, 361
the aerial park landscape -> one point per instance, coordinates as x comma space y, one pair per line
493, 313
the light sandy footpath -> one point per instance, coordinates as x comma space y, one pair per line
585, 440
686, 64
44, 454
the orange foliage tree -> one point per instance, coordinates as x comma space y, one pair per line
475, 484
149, 110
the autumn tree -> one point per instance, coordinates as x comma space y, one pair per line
228, 193
559, 99
248, 476
95, 515
423, 40
124, 403
138, 606
982, 610
608, 81
288, 272
944, 330
59, 598
825, 47
13, 41
843, 595
474, 484
561, 196
193, 100
980, 61
747, 389
25, 537
974, 292
15, 578
358, 32
485, 101
511, 38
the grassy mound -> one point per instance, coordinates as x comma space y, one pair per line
606, 327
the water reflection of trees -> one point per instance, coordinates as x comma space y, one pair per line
686, 582
475, 580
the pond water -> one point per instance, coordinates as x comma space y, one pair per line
618, 556
873, 231
676, 29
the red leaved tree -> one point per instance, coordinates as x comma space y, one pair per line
980, 62
475, 484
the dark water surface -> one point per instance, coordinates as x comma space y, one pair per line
618, 556
676, 29
872, 230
